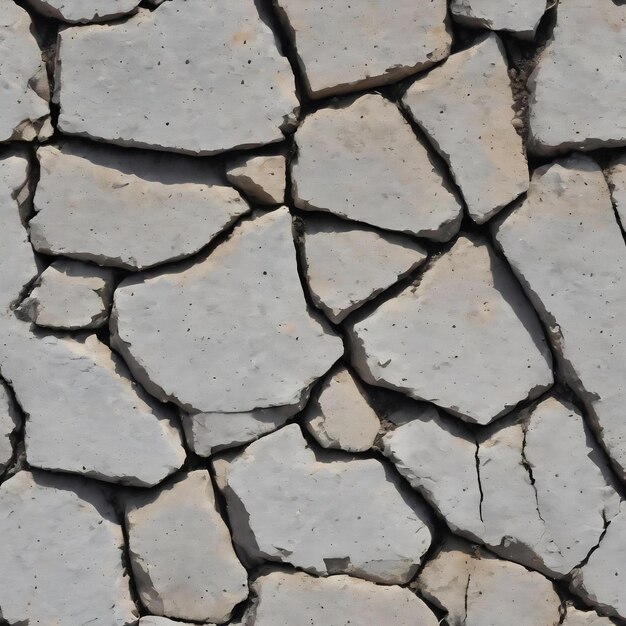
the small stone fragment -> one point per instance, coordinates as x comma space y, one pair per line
218, 349
348, 264
617, 185
340, 416
465, 106
151, 620
61, 554
181, 552
476, 589
577, 88
70, 295
296, 599
348, 47
354, 159
574, 617
9, 422
127, 209
263, 178
84, 11
465, 338
190, 93
325, 517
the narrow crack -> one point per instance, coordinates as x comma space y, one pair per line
466, 602
480, 485
529, 470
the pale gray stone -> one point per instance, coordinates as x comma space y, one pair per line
297, 599
616, 176
355, 158
83, 412
84, 11
348, 264
10, 421
196, 77
465, 106
344, 47
464, 338
262, 178
151, 620
181, 553
566, 247
61, 554
218, 349
574, 617
577, 88
127, 209
333, 516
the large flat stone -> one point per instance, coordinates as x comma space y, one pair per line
10, 421
465, 106
218, 349
84, 11
616, 176
190, 93
464, 338
566, 247
355, 158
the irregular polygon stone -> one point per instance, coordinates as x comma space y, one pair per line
61, 554
476, 589
296, 599
617, 184
70, 295
465, 106
263, 178
9, 422
348, 264
574, 617
577, 91
344, 47
465, 338
363, 162
181, 553
84, 413
340, 416
218, 349
190, 93
25, 93
566, 248
543, 467
127, 209
338, 516
84, 11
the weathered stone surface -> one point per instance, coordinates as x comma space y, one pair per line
181, 552
478, 590
349, 264
9, 422
296, 599
465, 106
340, 416
465, 338
301, 516
84, 11
218, 349
84, 413
354, 159
25, 93
190, 93
127, 209
61, 554
574, 617
577, 89
347, 47
565, 245
534, 490
151, 620
262, 178
617, 184
70, 295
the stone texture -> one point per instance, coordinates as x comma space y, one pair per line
151, 620
465, 106
347, 264
190, 93
354, 158
340, 416
25, 93
127, 209
475, 589
181, 553
348, 47
577, 88
565, 246
262, 178
70, 295
83, 412
464, 338
616, 176
10, 421
61, 554
219, 349
301, 515
84, 11
296, 599
574, 617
